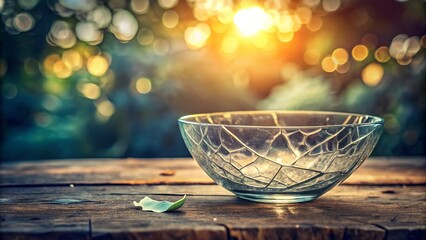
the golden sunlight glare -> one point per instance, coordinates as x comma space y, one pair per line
250, 21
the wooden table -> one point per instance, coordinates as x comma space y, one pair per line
92, 199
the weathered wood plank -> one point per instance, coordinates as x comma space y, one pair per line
345, 212
151, 229
152, 172
102, 171
389, 171
309, 231
37, 228
372, 205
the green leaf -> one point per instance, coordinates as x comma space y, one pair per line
148, 204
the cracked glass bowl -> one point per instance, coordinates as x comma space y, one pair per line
280, 156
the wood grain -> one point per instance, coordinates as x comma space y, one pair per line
346, 212
382, 200
381, 171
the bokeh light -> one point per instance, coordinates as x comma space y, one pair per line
360, 52
397, 45
328, 64
97, 65
145, 37
166, 4
304, 14
382, 54
170, 19
403, 48
143, 85
105, 109
48, 63
101, 15
79, 5
124, 25
225, 16
61, 70
116, 5
250, 21
61, 35
286, 36
161, 46
284, 22
72, 59
315, 24
311, 3
340, 56
24, 4
311, 56
197, 36
89, 90
372, 74
331, 5
88, 32
23, 22
139, 6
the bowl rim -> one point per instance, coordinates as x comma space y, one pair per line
377, 120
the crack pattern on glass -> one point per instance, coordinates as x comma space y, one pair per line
278, 158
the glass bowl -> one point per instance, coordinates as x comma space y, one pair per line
280, 156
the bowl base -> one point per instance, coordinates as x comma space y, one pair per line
275, 198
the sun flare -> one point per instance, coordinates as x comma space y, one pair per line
250, 21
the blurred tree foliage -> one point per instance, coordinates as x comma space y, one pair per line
110, 78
